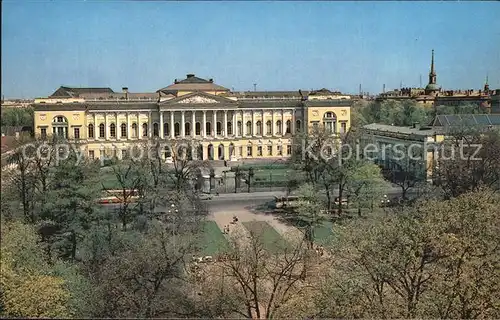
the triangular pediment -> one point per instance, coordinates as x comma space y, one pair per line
199, 98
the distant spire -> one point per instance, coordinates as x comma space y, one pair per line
486, 85
433, 72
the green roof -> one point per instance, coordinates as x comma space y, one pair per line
432, 86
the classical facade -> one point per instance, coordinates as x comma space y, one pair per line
223, 125
419, 143
433, 95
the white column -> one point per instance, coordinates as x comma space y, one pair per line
282, 122
118, 127
225, 123
139, 126
263, 126
96, 127
106, 129
183, 127
214, 125
150, 126
234, 125
204, 129
128, 126
193, 124
253, 124
172, 132
273, 126
243, 124
161, 125
293, 122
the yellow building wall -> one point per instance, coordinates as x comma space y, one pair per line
44, 119
342, 113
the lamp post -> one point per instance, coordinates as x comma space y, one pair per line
250, 176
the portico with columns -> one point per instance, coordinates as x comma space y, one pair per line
219, 124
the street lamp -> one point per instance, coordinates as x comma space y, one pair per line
250, 176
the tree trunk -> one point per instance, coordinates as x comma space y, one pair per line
329, 200
341, 192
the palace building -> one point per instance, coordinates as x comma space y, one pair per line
223, 125
433, 95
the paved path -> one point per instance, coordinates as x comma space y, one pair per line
224, 216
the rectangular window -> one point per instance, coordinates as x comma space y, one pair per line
112, 131
43, 133
91, 154
124, 154
76, 132
288, 149
123, 131
249, 151
315, 125
101, 131
269, 150
343, 127
259, 151
280, 150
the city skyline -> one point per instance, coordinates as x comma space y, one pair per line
280, 46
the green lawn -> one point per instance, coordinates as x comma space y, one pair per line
270, 238
212, 241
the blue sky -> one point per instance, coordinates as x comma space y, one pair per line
278, 45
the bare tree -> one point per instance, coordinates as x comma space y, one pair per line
263, 280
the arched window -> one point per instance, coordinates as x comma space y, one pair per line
229, 128
60, 119
219, 127
198, 128
112, 130
288, 126
249, 128
60, 126
101, 130
208, 129
239, 128
297, 125
134, 130
259, 128
177, 129
278, 127
144, 129
166, 132
91, 131
156, 129
187, 128
123, 130
330, 122
269, 127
